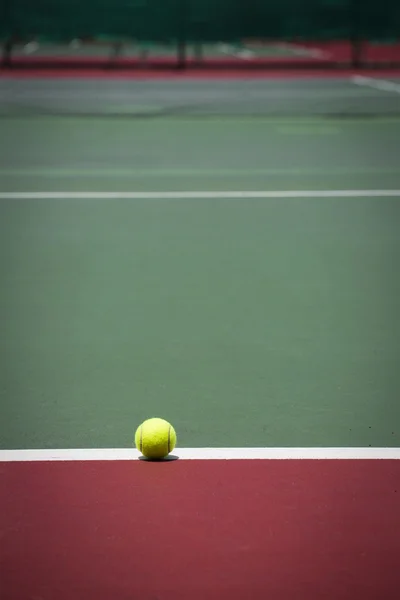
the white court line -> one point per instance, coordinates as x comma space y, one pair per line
230, 50
199, 195
118, 454
376, 84
304, 51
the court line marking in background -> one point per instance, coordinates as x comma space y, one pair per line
230, 50
134, 173
375, 120
378, 84
199, 195
102, 454
299, 50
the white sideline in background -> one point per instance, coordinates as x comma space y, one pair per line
197, 195
102, 454
384, 85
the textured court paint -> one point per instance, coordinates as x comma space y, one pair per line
301, 529
281, 314
117, 454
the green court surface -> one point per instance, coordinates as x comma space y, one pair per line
259, 322
263, 322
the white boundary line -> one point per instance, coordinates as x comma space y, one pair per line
382, 85
230, 50
197, 195
304, 51
118, 454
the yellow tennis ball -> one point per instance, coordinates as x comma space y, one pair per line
155, 438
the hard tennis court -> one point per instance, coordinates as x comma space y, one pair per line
220, 251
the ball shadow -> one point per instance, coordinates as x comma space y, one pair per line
169, 458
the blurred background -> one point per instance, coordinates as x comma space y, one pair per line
200, 33
258, 57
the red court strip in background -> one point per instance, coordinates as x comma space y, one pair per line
189, 75
200, 530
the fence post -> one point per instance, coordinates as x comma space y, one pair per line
356, 33
7, 45
182, 26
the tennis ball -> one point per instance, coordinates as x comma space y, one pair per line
155, 438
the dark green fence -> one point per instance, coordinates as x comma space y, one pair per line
181, 25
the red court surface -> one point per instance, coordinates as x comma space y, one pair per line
234, 75
200, 530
